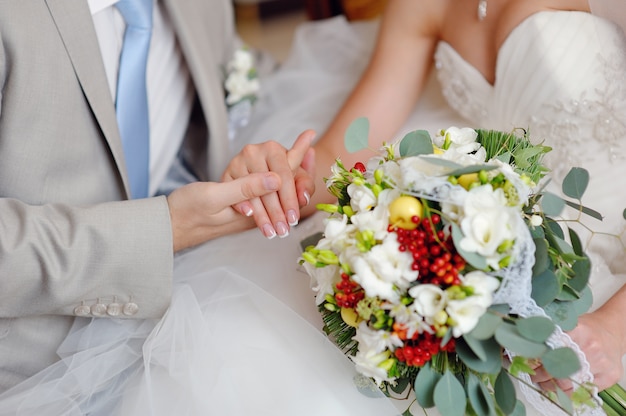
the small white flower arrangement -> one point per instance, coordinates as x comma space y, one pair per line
242, 87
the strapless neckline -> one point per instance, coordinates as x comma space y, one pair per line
509, 42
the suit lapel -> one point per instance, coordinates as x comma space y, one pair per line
203, 43
75, 26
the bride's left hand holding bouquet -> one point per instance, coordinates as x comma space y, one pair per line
442, 272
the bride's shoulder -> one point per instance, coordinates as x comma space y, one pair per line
424, 17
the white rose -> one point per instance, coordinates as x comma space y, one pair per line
465, 314
361, 197
428, 300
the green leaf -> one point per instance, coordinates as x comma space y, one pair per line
509, 337
551, 204
535, 328
449, 396
575, 183
441, 162
561, 362
585, 210
583, 304
563, 314
576, 243
486, 326
523, 157
542, 260
582, 272
416, 143
565, 401
356, 137
505, 392
476, 260
520, 409
624, 213
545, 288
470, 350
553, 228
520, 365
424, 385
479, 397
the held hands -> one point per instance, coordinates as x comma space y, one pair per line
274, 213
202, 211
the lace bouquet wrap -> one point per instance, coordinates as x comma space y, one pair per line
442, 273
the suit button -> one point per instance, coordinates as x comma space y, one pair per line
99, 309
130, 309
114, 309
82, 310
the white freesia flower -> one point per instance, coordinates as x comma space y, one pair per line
375, 220
465, 314
429, 300
486, 223
323, 280
361, 197
536, 220
374, 346
483, 284
338, 234
461, 139
365, 275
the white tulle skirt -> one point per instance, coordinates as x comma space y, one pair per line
243, 335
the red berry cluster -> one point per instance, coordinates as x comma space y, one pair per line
421, 348
434, 255
349, 293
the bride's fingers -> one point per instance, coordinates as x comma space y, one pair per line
300, 148
305, 178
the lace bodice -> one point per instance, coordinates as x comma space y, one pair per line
562, 75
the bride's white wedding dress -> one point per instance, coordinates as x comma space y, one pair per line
243, 335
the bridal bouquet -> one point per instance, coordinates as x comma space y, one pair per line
440, 258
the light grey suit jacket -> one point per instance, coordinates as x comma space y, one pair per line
68, 235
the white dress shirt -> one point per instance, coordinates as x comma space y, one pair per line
170, 90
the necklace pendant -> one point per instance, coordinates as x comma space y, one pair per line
482, 9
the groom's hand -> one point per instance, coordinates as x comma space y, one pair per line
275, 213
202, 211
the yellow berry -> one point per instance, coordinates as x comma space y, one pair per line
403, 210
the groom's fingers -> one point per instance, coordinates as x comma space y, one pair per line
246, 188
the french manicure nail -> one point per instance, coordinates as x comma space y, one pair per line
307, 197
292, 217
282, 229
269, 231
248, 211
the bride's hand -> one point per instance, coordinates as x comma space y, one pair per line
275, 213
600, 335
201, 211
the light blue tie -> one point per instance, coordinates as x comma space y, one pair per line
132, 100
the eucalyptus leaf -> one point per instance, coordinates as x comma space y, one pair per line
586, 210
449, 396
500, 308
542, 260
624, 213
416, 143
479, 397
476, 260
583, 304
486, 326
509, 337
551, 204
489, 349
471, 169
505, 392
582, 272
553, 228
563, 314
442, 162
568, 294
575, 182
357, 134
520, 409
545, 288
424, 386
565, 401
576, 243
561, 362
535, 328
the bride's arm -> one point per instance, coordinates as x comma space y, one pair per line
386, 93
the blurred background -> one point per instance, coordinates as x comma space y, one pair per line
269, 24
